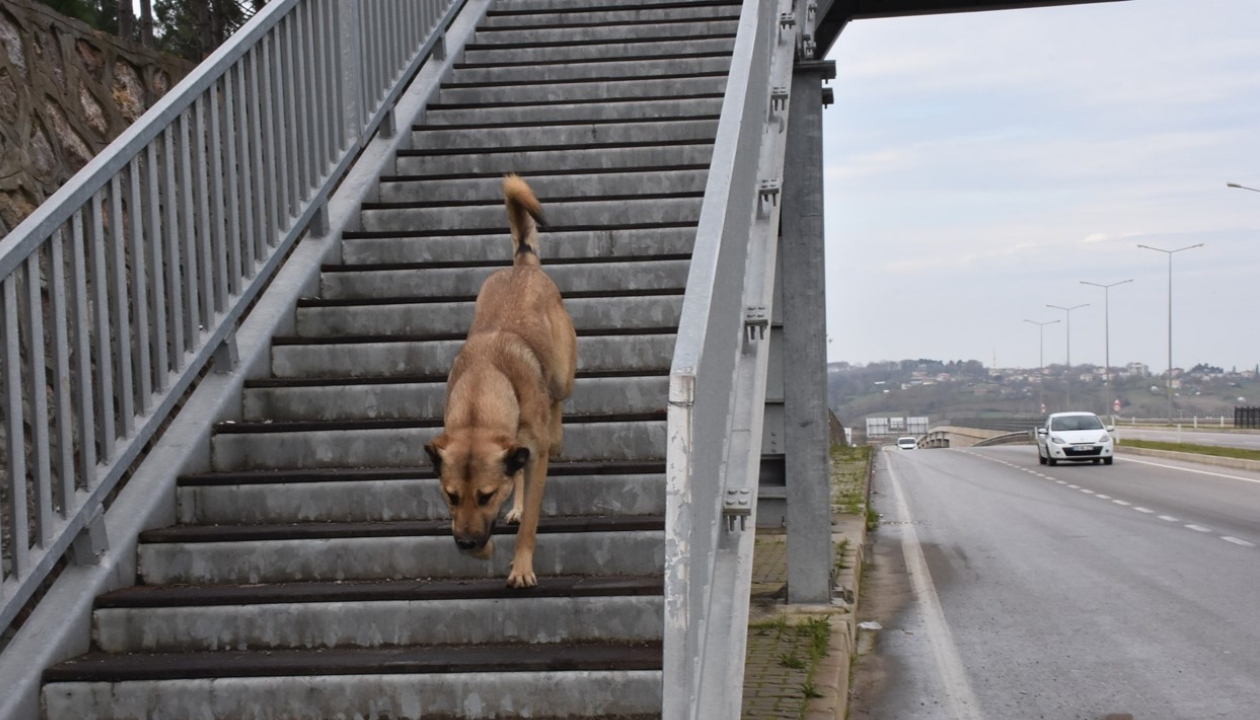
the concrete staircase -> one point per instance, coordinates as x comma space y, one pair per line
312, 573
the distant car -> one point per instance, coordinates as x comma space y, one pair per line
1076, 436
907, 443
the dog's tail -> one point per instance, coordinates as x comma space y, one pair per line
524, 216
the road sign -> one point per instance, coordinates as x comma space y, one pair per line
1115, 406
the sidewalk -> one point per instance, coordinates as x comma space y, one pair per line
798, 657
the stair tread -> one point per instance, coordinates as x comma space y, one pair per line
375, 591
297, 426
392, 528
447, 299
424, 127
498, 263
103, 667
362, 339
264, 477
426, 379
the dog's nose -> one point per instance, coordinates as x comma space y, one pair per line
468, 543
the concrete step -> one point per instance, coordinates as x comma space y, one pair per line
555, 244
376, 615
680, 82
473, 682
287, 446
668, 179
416, 317
425, 398
218, 555
347, 282
355, 495
481, 54
651, 65
508, 15
390, 357
577, 137
537, 161
563, 213
518, 35
544, 113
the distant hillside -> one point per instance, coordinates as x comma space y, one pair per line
966, 388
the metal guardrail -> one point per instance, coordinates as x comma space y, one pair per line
121, 288
718, 376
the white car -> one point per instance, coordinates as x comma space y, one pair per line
907, 443
1077, 436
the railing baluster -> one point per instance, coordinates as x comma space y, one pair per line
104, 375
218, 242
270, 184
157, 271
85, 408
140, 290
299, 97
63, 395
291, 126
188, 249
173, 281
124, 398
37, 387
234, 217
205, 255
14, 423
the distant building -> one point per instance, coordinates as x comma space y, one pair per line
1135, 369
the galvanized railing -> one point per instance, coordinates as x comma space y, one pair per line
718, 377
125, 285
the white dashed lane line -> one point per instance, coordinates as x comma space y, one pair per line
1147, 511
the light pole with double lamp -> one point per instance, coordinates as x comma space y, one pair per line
1170, 254
1068, 378
1041, 358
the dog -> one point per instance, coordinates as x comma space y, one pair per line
502, 421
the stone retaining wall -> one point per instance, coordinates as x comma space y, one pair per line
66, 91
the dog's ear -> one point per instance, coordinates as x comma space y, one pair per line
515, 458
435, 448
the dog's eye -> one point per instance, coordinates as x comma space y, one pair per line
483, 498
453, 498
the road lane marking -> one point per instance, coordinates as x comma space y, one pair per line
960, 700
1122, 502
1075, 487
1197, 472
1103, 497
1087, 492
1143, 510
1237, 541
1061, 482
1168, 518
1199, 528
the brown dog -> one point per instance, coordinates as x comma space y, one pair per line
504, 395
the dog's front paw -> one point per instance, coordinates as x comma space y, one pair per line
522, 578
514, 516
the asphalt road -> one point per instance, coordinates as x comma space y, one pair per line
1247, 440
1008, 590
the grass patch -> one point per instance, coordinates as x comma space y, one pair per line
848, 478
872, 520
1214, 450
842, 549
800, 646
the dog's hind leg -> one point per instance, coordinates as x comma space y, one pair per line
522, 575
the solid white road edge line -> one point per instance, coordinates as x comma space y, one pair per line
1197, 472
960, 700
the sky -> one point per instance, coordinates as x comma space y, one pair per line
979, 166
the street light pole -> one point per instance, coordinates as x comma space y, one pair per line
1106, 325
1068, 312
1041, 357
1170, 254
1241, 187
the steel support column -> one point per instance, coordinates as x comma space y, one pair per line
806, 438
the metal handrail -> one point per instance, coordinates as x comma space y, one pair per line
125, 285
718, 375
